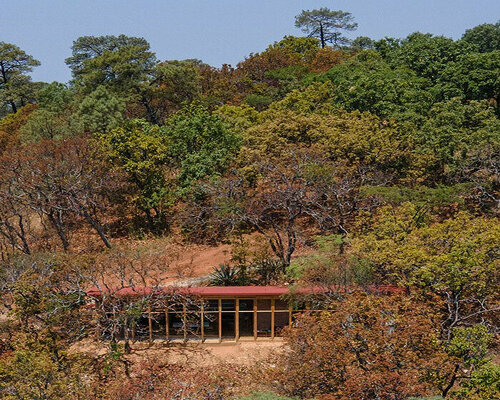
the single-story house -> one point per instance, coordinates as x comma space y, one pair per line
213, 313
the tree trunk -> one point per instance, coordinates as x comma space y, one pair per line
452, 382
322, 35
96, 225
152, 117
60, 230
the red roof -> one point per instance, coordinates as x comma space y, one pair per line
238, 291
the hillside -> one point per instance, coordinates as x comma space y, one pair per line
319, 162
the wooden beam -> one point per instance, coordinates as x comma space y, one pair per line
220, 320
202, 320
237, 321
272, 317
150, 326
255, 319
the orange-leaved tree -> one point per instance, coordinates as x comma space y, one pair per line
365, 347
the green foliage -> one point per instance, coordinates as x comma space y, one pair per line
470, 344
200, 144
326, 25
266, 271
119, 62
484, 383
473, 77
55, 97
368, 83
327, 265
486, 37
35, 374
426, 54
141, 151
454, 131
363, 43
437, 256
238, 118
300, 45
16, 88
101, 111
177, 83
44, 125
438, 196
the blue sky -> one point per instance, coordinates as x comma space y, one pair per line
215, 31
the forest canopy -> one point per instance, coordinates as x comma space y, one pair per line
349, 162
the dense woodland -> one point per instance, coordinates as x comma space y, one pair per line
380, 158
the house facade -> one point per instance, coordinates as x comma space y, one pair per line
210, 314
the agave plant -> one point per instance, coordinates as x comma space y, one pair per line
226, 275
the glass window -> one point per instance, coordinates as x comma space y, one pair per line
264, 304
246, 304
228, 305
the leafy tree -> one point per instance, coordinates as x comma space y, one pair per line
44, 125
363, 43
486, 37
364, 347
326, 25
175, 84
122, 64
55, 97
200, 144
472, 77
425, 54
306, 46
10, 127
34, 374
141, 151
455, 259
452, 134
15, 86
368, 83
101, 111
88, 50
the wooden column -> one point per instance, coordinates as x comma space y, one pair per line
150, 325
202, 320
272, 318
255, 319
184, 322
237, 321
220, 320
167, 328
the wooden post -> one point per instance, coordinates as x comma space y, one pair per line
237, 321
167, 328
202, 321
272, 318
220, 320
150, 326
184, 322
255, 319
290, 309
